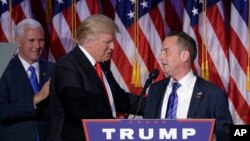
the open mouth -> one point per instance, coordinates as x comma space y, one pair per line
109, 54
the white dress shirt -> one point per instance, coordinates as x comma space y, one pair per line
184, 93
26, 66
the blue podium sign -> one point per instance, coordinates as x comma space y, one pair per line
148, 129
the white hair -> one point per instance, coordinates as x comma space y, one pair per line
21, 26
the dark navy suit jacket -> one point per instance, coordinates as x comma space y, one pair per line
19, 120
208, 101
77, 93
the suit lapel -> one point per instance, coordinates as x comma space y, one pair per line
85, 64
160, 96
21, 74
196, 99
108, 75
88, 69
44, 73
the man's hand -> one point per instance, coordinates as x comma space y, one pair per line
42, 94
214, 137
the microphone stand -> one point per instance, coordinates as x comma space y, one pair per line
153, 74
138, 102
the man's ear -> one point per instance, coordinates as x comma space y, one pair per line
87, 43
185, 55
17, 41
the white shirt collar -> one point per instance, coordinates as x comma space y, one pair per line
91, 59
186, 80
26, 65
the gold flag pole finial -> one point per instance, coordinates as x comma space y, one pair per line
49, 11
248, 56
136, 79
204, 63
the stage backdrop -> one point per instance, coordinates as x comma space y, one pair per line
223, 44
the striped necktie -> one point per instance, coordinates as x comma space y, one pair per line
173, 102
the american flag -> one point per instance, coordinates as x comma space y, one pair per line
10, 15
67, 15
205, 21
143, 25
209, 30
239, 61
150, 30
210, 33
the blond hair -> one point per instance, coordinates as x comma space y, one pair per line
94, 25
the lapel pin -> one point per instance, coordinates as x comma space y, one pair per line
198, 95
105, 72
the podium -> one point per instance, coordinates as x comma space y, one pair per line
148, 129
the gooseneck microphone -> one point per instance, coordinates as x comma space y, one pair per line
152, 76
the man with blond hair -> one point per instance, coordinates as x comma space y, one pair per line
83, 86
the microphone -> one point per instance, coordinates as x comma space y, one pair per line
152, 76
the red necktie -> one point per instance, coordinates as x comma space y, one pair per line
99, 72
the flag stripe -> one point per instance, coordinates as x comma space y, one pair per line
56, 47
239, 103
3, 38
217, 69
126, 53
172, 17
239, 51
93, 6
151, 41
8, 22
221, 68
18, 14
238, 59
61, 28
68, 17
217, 22
157, 21
82, 10
120, 65
26, 8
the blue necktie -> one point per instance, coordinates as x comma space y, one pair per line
34, 84
33, 79
172, 102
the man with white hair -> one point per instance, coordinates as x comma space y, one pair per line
24, 87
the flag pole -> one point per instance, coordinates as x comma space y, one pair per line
136, 80
73, 21
204, 63
248, 56
10, 9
